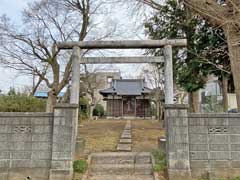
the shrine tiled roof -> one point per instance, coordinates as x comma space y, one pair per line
135, 87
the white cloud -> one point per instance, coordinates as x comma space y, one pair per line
9, 78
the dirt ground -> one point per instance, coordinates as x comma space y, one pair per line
145, 134
103, 135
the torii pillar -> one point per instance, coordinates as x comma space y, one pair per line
75, 87
168, 72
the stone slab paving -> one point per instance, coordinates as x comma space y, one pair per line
125, 142
126, 136
126, 132
124, 147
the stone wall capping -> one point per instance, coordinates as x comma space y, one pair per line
65, 105
176, 106
25, 114
214, 115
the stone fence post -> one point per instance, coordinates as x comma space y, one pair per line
176, 118
63, 144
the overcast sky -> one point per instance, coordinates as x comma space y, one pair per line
127, 24
8, 78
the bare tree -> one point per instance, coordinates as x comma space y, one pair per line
31, 48
93, 80
155, 4
153, 74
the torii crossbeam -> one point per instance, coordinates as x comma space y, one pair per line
167, 44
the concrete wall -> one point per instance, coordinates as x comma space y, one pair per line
202, 145
37, 145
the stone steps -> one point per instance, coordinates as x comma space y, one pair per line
120, 166
121, 158
121, 177
120, 169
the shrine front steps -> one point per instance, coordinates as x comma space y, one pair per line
121, 158
121, 177
120, 166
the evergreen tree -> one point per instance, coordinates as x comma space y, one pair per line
193, 64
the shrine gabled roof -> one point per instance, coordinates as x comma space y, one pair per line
135, 87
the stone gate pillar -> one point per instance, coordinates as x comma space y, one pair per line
63, 143
75, 87
168, 73
177, 152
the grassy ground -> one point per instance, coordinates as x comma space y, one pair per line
145, 135
103, 135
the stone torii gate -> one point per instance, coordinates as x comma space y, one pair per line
128, 44
166, 44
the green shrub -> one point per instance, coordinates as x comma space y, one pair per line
98, 110
83, 115
21, 103
158, 167
236, 178
160, 161
80, 166
84, 108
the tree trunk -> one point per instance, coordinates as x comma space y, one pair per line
234, 53
225, 93
66, 97
51, 101
35, 87
158, 110
161, 115
194, 101
91, 111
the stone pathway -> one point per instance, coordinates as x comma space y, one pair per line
125, 142
121, 165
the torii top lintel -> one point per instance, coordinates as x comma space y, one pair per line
126, 44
